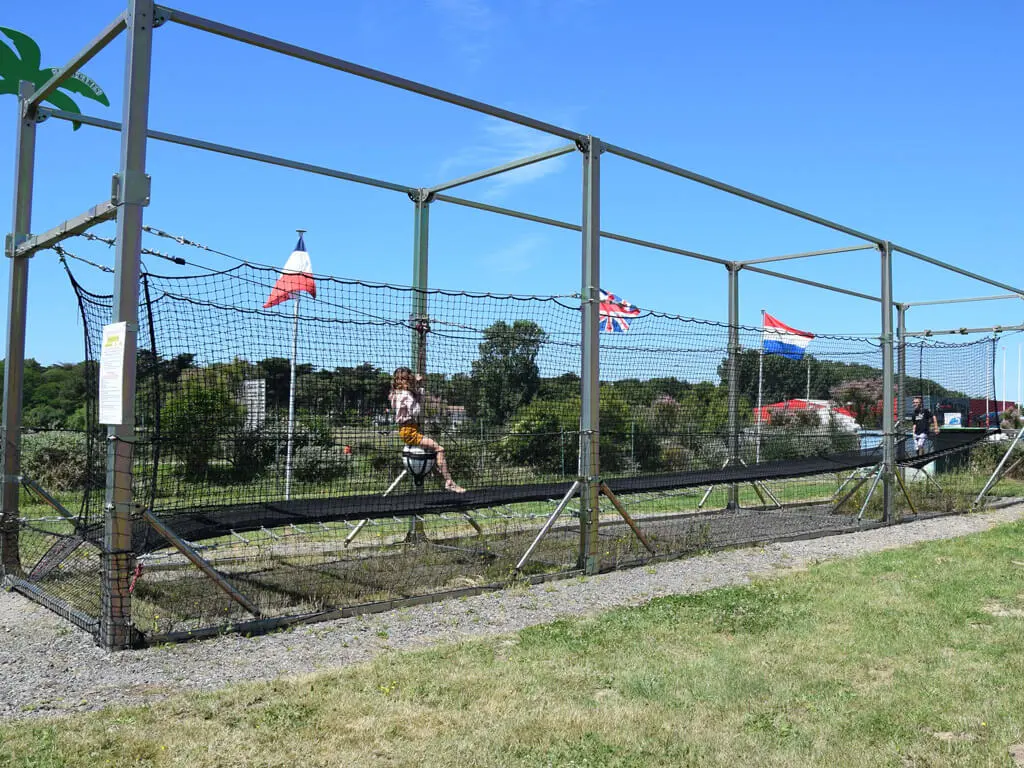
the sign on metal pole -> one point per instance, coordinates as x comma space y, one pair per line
111, 373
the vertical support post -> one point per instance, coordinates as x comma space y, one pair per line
420, 281
590, 369
734, 384
992, 377
17, 305
888, 387
901, 375
116, 629
760, 392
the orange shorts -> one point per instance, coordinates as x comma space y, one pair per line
410, 434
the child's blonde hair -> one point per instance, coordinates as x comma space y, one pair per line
403, 378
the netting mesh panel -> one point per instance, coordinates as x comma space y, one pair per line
665, 397
295, 518
225, 401
665, 408
212, 441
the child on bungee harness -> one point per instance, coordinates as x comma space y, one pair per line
406, 391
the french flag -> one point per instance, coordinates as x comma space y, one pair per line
777, 338
296, 276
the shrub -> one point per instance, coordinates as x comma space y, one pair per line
58, 461
252, 452
320, 464
545, 435
799, 435
542, 435
193, 422
984, 458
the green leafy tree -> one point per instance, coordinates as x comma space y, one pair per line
196, 420
545, 435
506, 376
26, 65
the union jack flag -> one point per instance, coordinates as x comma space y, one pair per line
614, 312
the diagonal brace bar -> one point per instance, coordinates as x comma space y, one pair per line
509, 166
548, 524
625, 516
196, 559
807, 254
109, 33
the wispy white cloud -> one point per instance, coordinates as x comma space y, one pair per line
520, 255
468, 26
500, 143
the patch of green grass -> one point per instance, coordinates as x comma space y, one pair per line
909, 657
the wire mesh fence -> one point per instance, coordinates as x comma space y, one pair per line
268, 462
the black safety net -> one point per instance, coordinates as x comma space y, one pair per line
268, 461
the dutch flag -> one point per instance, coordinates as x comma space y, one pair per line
777, 338
296, 276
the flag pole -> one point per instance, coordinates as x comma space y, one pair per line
291, 397
808, 380
760, 387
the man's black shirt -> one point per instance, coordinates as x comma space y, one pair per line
922, 421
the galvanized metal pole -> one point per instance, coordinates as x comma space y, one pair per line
734, 385
888, 387
132, 194
17, 304
901, 377
420, 281
590, 369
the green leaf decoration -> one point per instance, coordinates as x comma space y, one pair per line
85, 86
27, 49
25, 65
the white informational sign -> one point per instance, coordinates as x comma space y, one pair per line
112, 373
952, 419
253, 397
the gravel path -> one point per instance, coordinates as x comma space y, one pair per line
48, 667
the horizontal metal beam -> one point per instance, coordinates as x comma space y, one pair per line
76, 226
510, 166
578, 228
665, 248
966, 331
958, 270
224, 149
961, 301
806, 254
79, 60
508, 212
813, 283
723, 187
331, 62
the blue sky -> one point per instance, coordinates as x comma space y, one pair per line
899, 119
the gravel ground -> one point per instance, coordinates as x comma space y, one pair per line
48, 667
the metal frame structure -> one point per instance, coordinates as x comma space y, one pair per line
131, 195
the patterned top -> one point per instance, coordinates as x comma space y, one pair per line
407, 407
